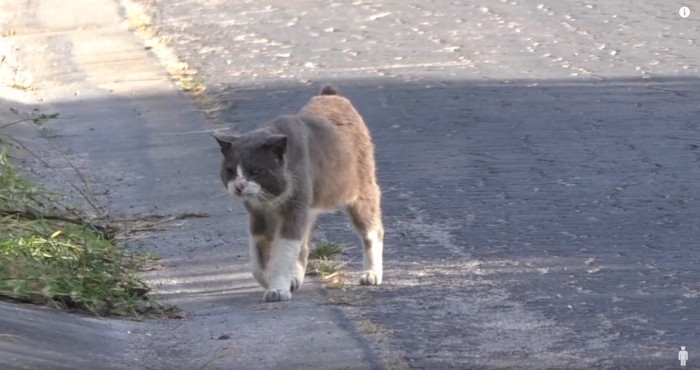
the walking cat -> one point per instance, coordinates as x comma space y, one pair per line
291, 170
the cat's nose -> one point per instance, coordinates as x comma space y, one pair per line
239, 186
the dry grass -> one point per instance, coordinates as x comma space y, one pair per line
57, 255
50, 257
184, 76
325, 262
9, 33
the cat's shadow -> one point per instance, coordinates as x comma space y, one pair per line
249, 297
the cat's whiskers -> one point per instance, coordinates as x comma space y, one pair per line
272, 200
287, 193
265, 196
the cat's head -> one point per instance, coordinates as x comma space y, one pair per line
253, 168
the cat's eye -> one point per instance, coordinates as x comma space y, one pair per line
231, 172
254, 171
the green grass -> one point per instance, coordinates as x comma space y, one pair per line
52, 255
326, 250
325, 262
323, 267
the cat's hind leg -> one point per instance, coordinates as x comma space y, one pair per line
365, 213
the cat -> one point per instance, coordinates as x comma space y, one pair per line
291, 170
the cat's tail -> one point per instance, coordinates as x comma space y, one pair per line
329, 90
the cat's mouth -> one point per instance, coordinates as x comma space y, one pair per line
244, 190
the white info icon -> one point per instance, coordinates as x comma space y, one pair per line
684, 12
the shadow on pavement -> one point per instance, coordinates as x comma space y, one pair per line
535, 222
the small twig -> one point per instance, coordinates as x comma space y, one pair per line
64, 208
328, 277
106, 226
78, 189
179, 216
11, 337
32, 215
91, 198
6, 125
105, 230
147, 223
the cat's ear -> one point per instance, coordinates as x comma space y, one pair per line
277, 144
225, 141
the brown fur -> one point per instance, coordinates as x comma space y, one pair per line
317, 160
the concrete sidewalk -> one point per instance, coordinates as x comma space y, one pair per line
146, 149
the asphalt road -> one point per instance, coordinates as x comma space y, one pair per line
539, 163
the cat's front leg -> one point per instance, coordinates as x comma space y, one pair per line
281, 271
262, 231
259, 257
284, 256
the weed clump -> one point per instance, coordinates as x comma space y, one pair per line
52, 255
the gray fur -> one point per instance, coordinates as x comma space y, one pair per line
317, 160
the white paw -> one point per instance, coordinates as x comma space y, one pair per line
371, 278
277, 295
296, 284
298, 279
